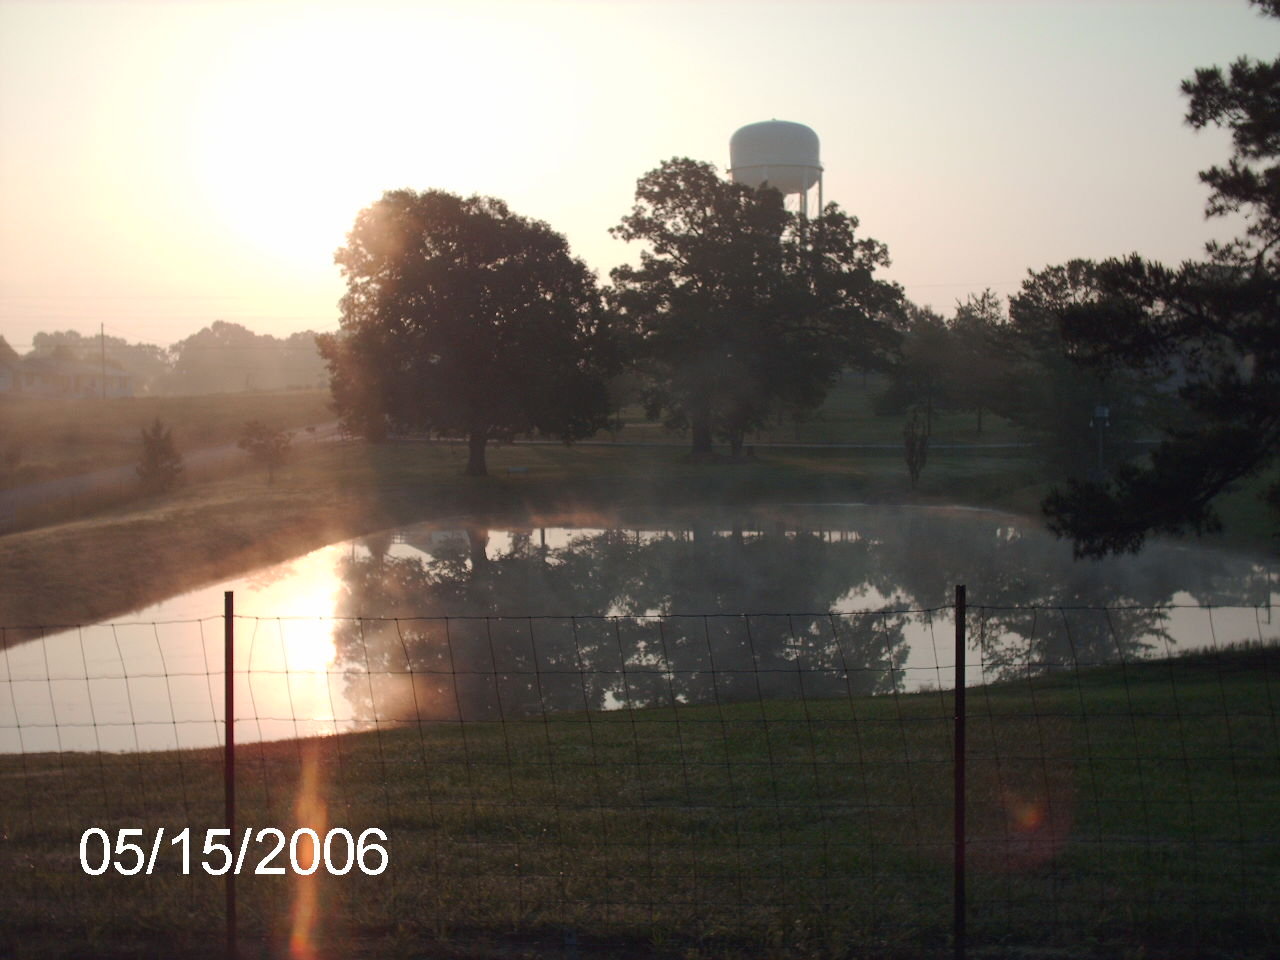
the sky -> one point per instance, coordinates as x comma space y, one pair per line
167, 164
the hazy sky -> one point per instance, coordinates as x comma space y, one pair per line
166, 164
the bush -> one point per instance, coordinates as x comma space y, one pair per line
160, 468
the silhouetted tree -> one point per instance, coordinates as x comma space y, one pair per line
1045, 392
978, 375
160, 467
922, 368
1213, 327
739, 305
465, 319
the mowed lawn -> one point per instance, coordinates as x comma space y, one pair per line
1121, 812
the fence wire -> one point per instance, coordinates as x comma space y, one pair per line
712, 785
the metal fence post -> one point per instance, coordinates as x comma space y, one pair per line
959, 764
229, 760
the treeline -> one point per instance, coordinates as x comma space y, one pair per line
1008, 357
221, 358
740, 314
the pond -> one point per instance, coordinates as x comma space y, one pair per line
470, 620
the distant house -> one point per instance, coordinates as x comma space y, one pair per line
63, 377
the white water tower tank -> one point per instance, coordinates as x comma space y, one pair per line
778, 152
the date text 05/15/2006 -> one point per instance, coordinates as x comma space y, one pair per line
339, 851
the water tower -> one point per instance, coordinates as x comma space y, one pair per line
780, 153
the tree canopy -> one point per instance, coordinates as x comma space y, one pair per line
923, 372
1210, 329
228, 357
265, 445
464, 319
739, 306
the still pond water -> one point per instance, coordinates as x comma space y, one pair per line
475, 620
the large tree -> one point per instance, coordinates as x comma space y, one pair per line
464, 319
739, 305
979, 376
1212, 328
1047, 394
922, 371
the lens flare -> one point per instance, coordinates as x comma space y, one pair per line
310, 810
1036, 826
1025, 816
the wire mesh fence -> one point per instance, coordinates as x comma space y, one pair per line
716, 785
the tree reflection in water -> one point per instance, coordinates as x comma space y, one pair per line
1032, 606
709, 614
611, 619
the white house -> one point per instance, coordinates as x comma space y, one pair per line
61, 377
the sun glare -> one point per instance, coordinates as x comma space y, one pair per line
297, 655
278, 143
306, 121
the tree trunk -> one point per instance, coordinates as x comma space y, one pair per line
475, 460
701, 439
735, 443
478, 542
700, 422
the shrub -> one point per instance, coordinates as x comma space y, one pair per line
160, 468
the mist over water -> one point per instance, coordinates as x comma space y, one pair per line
479, 621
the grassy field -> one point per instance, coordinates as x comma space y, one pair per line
1114, 813
45, 438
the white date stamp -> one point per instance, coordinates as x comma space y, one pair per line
338, 851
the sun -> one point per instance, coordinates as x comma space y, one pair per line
279, 147
303, 121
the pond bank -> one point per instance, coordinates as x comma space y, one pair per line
122, 559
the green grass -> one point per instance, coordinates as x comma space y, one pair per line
846, 416
1115, 813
